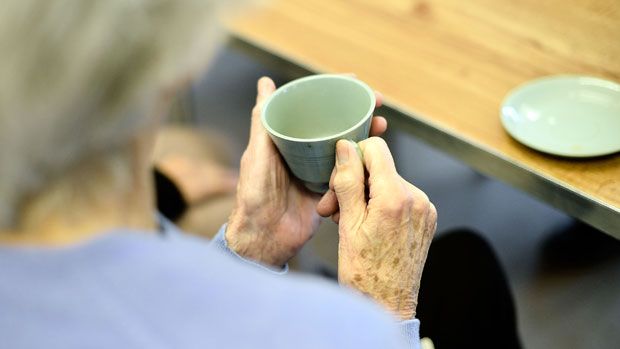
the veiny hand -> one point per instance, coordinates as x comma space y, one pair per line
274, 214
385, 228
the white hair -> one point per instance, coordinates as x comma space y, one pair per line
80, 77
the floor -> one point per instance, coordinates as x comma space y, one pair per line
566, 296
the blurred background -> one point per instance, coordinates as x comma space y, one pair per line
565, 276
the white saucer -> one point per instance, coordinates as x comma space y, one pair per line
570, 116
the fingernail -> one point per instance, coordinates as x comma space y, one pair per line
342, 152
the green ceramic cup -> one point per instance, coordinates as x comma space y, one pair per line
306, 117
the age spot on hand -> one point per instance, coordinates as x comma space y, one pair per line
363, 253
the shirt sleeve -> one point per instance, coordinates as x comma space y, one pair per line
219, 241
411, 331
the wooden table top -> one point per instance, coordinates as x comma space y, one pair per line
450, 63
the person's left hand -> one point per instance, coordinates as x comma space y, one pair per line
275, 215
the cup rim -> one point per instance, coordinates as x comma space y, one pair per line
368, 115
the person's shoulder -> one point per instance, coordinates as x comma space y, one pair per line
181, 290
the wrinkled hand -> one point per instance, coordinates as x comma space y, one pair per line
274, 215
385, 227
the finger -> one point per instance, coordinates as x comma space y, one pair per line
378, 126
331, 178
382, 175
349, 182
265, 87
336, 217
378, 99
328, 204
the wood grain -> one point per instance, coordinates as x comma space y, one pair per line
451, 62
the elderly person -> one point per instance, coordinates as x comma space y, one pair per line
85, 262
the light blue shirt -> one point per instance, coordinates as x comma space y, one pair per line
134, 289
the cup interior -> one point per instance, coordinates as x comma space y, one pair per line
320, 106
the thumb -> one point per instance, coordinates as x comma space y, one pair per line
349, 183
265, 88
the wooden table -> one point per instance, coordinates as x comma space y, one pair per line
445, 66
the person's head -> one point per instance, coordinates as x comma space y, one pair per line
80, 79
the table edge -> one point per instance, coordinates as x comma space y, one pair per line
487, 161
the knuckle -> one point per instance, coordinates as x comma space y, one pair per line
432, 214
398, 203
409, 198
432, 211
345, 181
421, 203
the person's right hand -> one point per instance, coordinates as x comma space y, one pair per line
385, 236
